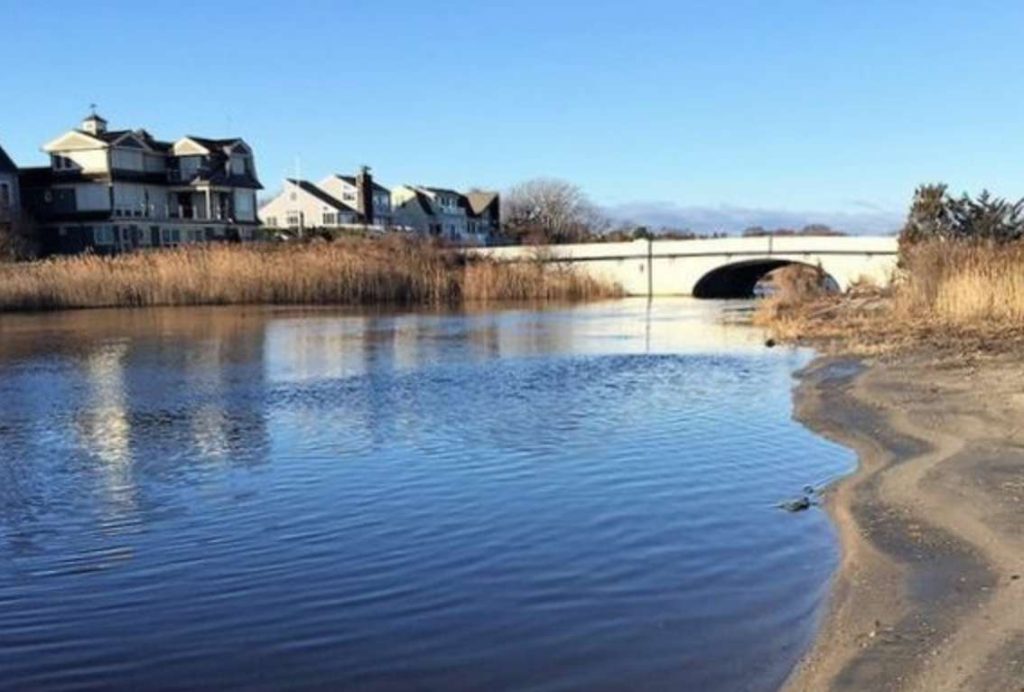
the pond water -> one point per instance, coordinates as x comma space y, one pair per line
574, 498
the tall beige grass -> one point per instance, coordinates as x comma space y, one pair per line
963, 284
348, 272
953, 294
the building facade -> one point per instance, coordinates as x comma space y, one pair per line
114, 191
371, 200
337, 202
303, 206
10, 197
471, 218
341, 201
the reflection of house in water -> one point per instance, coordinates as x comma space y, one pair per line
174, 390
309, 348
212, 397
103, 427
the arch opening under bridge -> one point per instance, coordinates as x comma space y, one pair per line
739, 279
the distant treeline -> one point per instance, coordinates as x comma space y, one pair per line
549, 211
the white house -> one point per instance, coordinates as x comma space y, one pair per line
10, 199
116, 190
464, 218
373, 201
338, 201
302, 205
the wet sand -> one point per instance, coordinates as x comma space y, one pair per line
930, 591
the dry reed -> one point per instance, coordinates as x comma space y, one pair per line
966, 295
347, 272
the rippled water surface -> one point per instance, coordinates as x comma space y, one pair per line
568, 499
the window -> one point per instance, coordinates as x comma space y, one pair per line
272, 221
330, 218
104, 235
348, 196
294, 220
293, 196
170, 236
5, 195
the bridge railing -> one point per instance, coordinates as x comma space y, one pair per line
760, 245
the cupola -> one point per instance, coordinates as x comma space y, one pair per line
94, 124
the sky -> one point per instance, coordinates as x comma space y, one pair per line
711, 114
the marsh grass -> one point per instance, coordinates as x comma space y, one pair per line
392, 271
951, 294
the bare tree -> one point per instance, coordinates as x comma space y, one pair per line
547, 210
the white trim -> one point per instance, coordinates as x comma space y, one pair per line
186, 146
66, 142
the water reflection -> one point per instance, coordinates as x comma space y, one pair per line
102, 426
272, 498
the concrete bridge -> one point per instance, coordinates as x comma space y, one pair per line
719, 267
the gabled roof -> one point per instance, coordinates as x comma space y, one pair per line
311, 189
351, 180
6, 164
215, 144
153, 142
422, 200
440, 190
78, 138
478, 202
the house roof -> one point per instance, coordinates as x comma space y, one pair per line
311, 189
109, 136
440, 191
214, 144
424, 203
6, 164
351, 180
153, 142
479, 202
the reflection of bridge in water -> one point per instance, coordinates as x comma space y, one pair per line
719, 267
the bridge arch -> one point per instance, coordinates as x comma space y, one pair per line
738, 279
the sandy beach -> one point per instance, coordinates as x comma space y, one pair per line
929, 594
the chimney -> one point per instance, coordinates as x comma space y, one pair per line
364, 194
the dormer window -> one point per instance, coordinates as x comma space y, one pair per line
62, 163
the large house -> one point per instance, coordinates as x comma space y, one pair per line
373, 201
341, 201
116, 190
465, 218
10, 203
338, 201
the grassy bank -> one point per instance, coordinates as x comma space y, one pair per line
391, 271
960, 293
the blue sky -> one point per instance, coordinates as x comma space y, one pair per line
740, 109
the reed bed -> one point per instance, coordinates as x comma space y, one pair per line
345, 272
952, 294
963, 284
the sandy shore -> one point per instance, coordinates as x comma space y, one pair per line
930, 591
